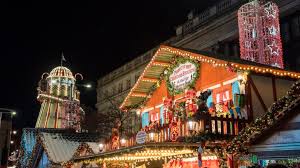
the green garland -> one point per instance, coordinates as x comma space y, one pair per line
279, 110
178, 62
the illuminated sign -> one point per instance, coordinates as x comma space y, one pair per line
183, 75
141, 137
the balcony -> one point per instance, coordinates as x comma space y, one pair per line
204, 128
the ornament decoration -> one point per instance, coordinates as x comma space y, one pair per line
182, 75
259, 33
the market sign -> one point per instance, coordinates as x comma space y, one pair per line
182, 76
141, 137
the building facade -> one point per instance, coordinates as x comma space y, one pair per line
214, 30
5, 132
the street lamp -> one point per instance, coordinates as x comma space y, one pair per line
153, 136
123, 142
6, 110
101, 146
14, 132
88, 85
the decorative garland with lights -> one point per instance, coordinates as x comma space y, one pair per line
176, 63
142, 156
279, 110
141, 103
220, 151
234, 66
81, 148
203, 137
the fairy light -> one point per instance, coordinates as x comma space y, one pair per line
204, 59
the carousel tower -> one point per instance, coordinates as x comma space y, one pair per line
59, 97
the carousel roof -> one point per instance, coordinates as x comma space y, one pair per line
61, 71
163, 58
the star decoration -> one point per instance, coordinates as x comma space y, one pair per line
270, 11
274, 50
272, 30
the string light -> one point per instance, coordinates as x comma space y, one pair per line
201, 58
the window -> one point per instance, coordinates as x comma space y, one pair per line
114, 90
128, 84
120, 89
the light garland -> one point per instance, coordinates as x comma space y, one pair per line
142, 156
150, 80
163, 64
213, 61
279, 110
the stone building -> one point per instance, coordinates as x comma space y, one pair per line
5, 137
215, 30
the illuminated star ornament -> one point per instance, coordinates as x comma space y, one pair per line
270, 11
259, 33
274, 50
273, 31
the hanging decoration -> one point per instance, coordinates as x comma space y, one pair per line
167, 109
182, 75
259, 32
174, 131
191, 102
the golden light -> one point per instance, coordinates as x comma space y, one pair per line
153, 136
123, 142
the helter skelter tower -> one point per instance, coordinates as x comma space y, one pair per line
259, 32
60, 105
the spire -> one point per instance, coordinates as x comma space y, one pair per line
62, 58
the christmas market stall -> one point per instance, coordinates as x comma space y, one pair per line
274, 137
48, 147
190, 97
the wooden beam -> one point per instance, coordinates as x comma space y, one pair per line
257, 94
274, 88
138, 94
249, 101
145, 79
160, 63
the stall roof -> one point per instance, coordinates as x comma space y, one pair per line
60, 145
143, 151
162, 59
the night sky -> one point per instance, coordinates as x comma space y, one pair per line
94, 37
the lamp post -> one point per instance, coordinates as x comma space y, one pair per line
7, 136
153, 136
191, 125
123, 142
101, 147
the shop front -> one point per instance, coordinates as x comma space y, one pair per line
189, 101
